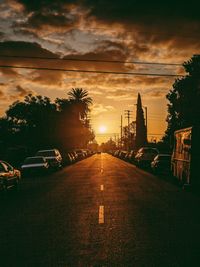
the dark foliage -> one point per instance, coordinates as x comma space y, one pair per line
184, 100
37, 123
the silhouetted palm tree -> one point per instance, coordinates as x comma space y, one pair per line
82, 101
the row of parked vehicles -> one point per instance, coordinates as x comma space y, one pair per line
146, 157
43, 162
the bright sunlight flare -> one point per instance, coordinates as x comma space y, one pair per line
102, 129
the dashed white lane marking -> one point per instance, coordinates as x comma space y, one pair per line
101, 214
101, 164
102, 187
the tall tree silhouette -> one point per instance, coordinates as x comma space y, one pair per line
141, 133
82, 101
184, 100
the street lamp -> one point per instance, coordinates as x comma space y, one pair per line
145, 107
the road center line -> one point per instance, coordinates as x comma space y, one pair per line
101, 214
102, 187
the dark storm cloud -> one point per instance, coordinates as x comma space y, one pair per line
105, 50
45, 5
20, 48
39, 20
119, 10
152, 22
132, 10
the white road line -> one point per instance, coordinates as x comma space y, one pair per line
102, 187
101, 214
101, 164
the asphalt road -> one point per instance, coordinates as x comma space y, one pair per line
99, 212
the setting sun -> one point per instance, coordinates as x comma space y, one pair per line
102, 129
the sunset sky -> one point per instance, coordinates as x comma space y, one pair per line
125, 31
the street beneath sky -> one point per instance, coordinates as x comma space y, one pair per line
100, 211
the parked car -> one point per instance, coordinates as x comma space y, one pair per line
52, 156
81, 154
122, 154
74, 155
145, 155
8, 175
161, 164
34, 165
116, 153
68, 159
126, 157
131, 156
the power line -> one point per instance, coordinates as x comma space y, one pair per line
94, 60
91, 71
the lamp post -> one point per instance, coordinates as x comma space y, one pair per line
145, 107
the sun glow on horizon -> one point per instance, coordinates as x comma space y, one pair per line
102, 129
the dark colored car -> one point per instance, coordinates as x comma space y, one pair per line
116, 153
35, 165
68, 159
161, 164
52, 156
131, 156
81, 154
145, 155
74, 156
122, 154
8, 175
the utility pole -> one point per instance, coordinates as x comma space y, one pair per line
121, 128
146, 119
128, 116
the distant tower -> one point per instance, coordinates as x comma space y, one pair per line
141, 131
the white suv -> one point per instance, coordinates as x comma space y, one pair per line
52, 156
